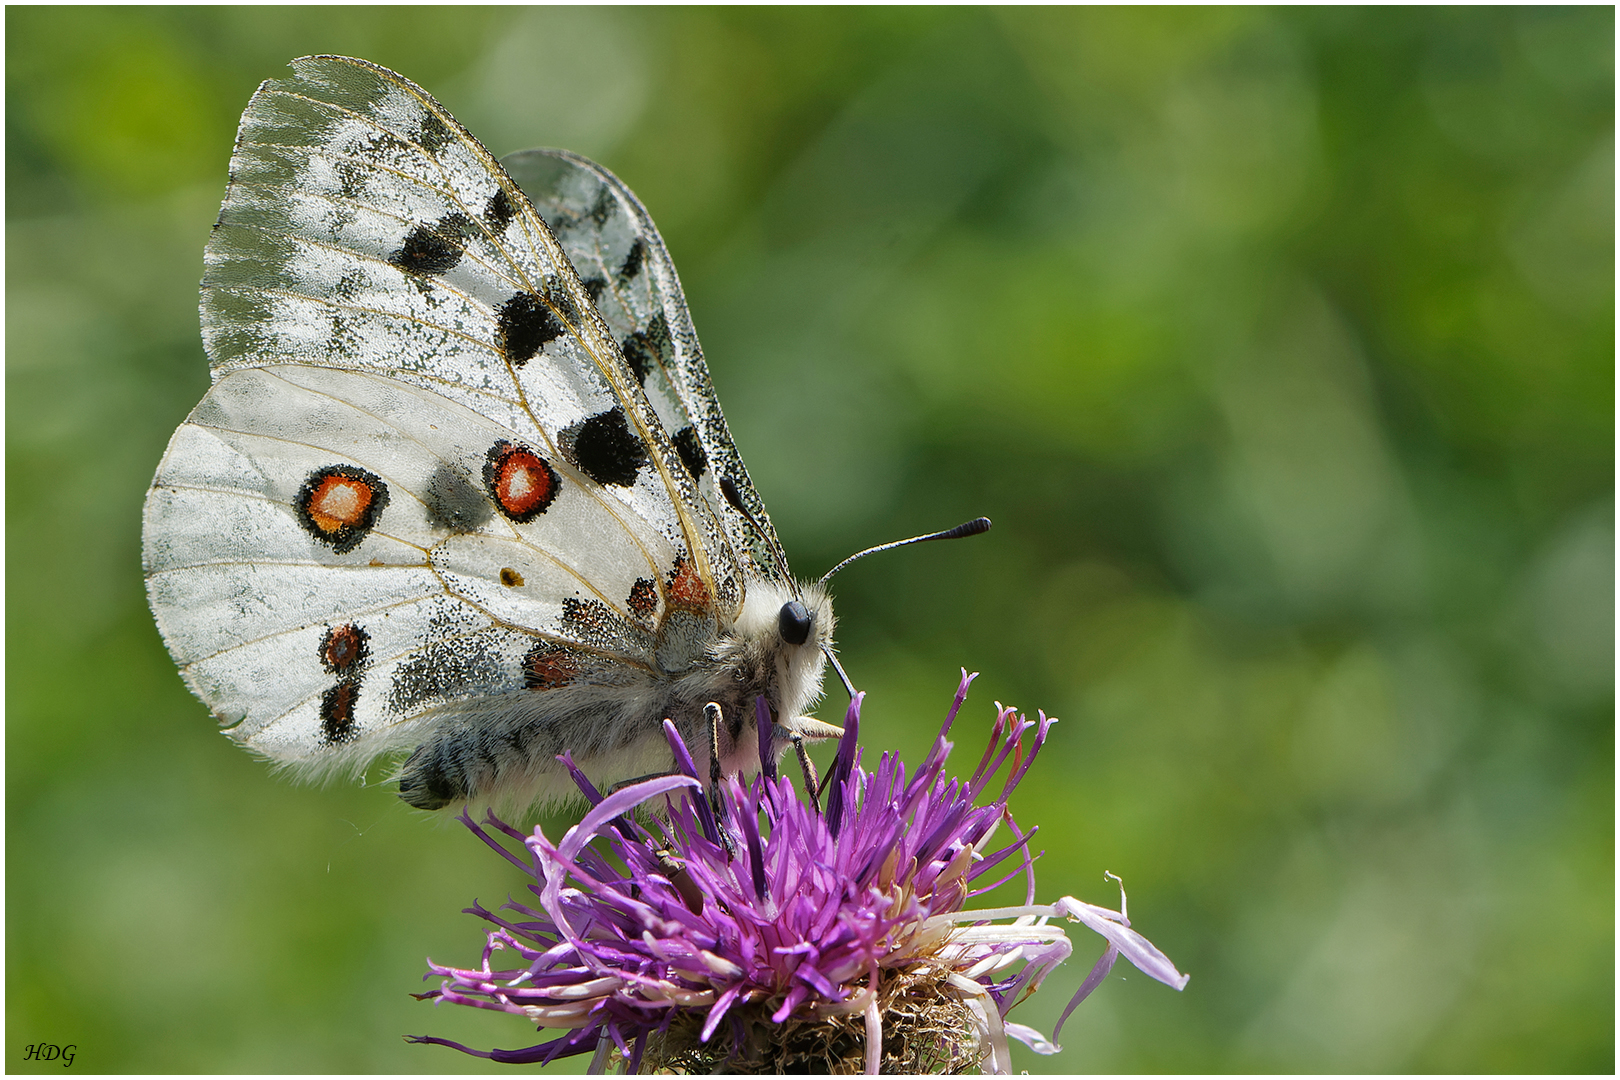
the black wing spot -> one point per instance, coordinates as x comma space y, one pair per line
433, 249
525, 325
594, 285
605, 449
648, 349
453, 503
658, 336
563, 301
643, 598
499, 210
691, 450
337, 713
446, 670
604, 206
638, 351
433, 134
593, 622
633, 261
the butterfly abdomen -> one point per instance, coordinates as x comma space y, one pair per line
480, 755
503, 750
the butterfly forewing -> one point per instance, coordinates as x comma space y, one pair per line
625, 267
426, 476
365, 229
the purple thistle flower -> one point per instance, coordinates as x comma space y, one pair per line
824, 942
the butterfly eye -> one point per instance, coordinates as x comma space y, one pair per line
793, 622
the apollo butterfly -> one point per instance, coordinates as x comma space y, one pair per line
461, 490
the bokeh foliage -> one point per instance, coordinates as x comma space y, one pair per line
1279, 344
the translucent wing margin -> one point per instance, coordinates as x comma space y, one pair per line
627, 270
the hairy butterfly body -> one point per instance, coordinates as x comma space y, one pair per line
461, 488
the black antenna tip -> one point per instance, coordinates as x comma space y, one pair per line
967, 528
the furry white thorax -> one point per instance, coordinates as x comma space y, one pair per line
792, 673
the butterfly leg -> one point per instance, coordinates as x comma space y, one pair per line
712, 714
812, 785
801, 730
670, 865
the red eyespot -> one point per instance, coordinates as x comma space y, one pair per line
519, 480
344, 649
339, 504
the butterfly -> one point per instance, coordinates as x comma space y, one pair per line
461, 489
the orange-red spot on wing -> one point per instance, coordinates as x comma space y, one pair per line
339, 504
337, 712
519, 480
338, 501
549, 666
686, 585
344, 649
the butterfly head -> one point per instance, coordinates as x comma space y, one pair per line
776, 650
787, 628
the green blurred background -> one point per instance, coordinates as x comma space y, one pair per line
1279, 345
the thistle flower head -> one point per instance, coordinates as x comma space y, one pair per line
764, 934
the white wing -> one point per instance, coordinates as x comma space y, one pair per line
425, 477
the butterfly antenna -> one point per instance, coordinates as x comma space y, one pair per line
728, 488
967, 528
